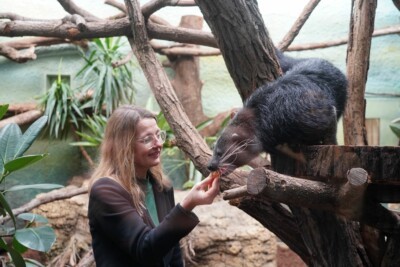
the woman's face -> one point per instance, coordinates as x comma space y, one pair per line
147, 154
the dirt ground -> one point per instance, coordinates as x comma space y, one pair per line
287, 258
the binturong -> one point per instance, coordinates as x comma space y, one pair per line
301, 107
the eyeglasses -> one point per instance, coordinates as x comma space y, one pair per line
148, 140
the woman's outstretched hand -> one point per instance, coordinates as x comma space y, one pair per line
202, 193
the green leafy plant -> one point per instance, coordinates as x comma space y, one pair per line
61, 106
35, 233
108, 85
95, 131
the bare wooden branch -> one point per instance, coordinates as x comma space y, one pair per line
189, 51
235, 193
123, 61
23, 50
20, 56
350, 196
188, 137
181, 35
39, 41
298, 24
330, 163
22, 118
345, 200
72, 8
341, 41
358, 53
116, 4
154, 5
158, 20
63, 193
21, 107
77, 20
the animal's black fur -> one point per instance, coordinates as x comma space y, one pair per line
300, 107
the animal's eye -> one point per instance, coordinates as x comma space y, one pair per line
212, 146
235, 136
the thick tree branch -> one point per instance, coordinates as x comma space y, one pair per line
72, 8
63, 193
346, 200
187, 136
22, 118
105, 28
117, 5
301, 20
17, 55
358, 52
23, 50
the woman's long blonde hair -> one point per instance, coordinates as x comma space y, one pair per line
117, 159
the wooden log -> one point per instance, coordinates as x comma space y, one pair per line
344, 199
330, 163
235, 193
23, 118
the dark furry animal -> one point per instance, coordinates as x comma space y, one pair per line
300, 107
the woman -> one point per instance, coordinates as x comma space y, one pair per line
132, 213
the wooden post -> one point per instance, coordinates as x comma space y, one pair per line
358, 51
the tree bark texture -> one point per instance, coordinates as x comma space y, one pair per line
244, 42
327, 239
188, 138
329, 164
358, 51
187, 83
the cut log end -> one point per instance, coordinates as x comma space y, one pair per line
357, 176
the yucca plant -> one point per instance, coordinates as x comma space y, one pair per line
35, 233
108, 86
61, 106
95, 131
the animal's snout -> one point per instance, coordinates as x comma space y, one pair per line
212, 165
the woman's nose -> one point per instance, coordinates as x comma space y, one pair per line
157, 142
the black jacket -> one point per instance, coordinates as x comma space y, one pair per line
120, 237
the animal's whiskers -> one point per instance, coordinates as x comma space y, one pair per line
234, 149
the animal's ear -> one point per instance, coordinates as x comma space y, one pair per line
234, 112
